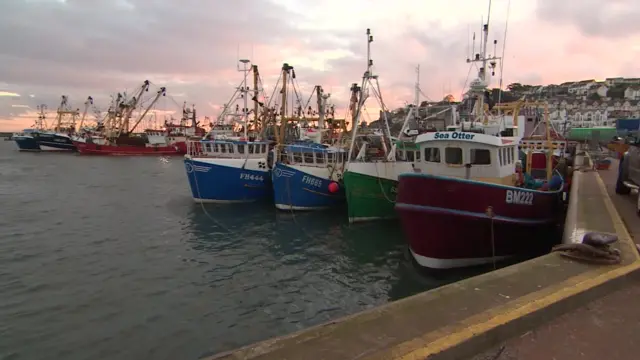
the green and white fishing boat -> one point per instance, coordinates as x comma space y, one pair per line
375, 158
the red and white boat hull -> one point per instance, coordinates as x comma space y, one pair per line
452, 222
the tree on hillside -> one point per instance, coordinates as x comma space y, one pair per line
593, 97
616, 92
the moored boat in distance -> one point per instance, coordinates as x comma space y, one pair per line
230, 167
26, 140
117, 135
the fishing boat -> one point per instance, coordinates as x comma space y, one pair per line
308, 173
469, 201
58, 137
375, 157
26, 140
117, 138
229, 168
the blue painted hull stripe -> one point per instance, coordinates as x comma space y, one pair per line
477, 215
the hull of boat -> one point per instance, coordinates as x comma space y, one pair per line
447, 221
126, 150
55, 142
371, 189
216, 180
297, 187
26, 143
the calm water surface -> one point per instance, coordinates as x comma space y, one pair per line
109, 258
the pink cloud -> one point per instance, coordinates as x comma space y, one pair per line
195, 56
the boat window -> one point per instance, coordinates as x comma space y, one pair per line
264, 148
480, 157
215, 147
432, 154
513, 155
330, 157
207, 147
453, 155
223, 148
500, 151
250, 146
320, 158
410, 156
308, 157
297, 157
240, 148
230, 148
509, 156
418, 155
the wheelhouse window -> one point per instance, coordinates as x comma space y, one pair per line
223, 148
207, 147
417, 155
240, 148
297, 157
331, 157
308, 158
432, 155
264, 148
509, 156
500, 152
410, 155
453, 155
480, 157
320, 158
250, 146
215, 148
230, 148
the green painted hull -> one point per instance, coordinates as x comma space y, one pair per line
369, 198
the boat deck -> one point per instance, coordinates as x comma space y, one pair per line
465, 318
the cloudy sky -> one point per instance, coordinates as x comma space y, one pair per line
98, 47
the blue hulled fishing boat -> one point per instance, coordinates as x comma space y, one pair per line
308, 173
232, 166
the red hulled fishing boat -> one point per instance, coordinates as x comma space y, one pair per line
470, 202
117, 138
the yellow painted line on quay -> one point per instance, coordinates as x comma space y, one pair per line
618, 223
421, 348
536, 302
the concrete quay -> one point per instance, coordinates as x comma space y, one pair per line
469, 318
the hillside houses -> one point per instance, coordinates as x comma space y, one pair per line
632, 93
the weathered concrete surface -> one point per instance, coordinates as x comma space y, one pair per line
606, 328
462, 319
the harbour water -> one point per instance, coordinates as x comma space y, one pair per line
109, 258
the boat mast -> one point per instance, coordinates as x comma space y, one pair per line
479, 86
256, 92
160, 93
244, 91
41, 122
87, 103
366, 79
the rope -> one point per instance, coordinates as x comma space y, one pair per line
596, 254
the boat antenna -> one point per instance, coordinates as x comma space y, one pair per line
504, 45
